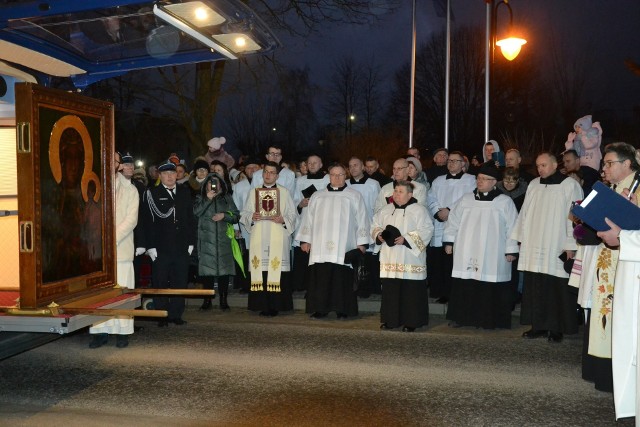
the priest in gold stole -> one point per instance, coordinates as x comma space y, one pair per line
270, 216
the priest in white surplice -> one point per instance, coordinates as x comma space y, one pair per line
127, 202
477, 233
626, 339
369, 188
269, 250
403, 229
334, 223
286, 177
240, 193
400, 173
545, 232
445, 191
315, 179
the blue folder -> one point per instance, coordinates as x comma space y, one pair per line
604, 202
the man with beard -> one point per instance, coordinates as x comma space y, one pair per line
372, 167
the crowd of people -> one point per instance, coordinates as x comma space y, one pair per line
480, 237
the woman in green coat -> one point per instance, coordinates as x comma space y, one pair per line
215, 211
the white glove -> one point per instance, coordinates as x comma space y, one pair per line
140, 251
153, 254
190, 249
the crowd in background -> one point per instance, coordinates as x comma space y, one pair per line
480, 236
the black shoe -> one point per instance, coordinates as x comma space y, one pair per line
442, 300
206, 304
264, 313
178, 321
555, 337
317, 315
163, 323
454, 324
408, 329
533, 334
122, 341
384, 327
273, 313
99, 340
225, 307
341, 315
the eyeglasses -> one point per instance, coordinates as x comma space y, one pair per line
336, 175
510, 181
399, 169
608, 163
454, 160
275, 154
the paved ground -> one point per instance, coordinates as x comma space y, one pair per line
244, 370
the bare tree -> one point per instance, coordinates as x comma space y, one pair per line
371, 92
570, 74
344, 95
191, 93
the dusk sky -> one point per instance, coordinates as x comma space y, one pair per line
606, 30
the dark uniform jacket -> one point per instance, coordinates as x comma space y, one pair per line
175, 233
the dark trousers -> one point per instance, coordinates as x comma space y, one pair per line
300, 270
170, 272
439, 267
331, 289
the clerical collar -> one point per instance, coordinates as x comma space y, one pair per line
317, 175
449, 176
330, 188
487, 197
168, 189
410, 202
555, 178
265, 186
362, 180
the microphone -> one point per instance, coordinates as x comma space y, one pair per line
634, 184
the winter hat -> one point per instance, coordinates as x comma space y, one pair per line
415, 162
216, 143
201, 164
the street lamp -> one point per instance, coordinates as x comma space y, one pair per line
510, 48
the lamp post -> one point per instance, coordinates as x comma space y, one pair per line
510, 48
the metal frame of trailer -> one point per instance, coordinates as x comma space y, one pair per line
64, 323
